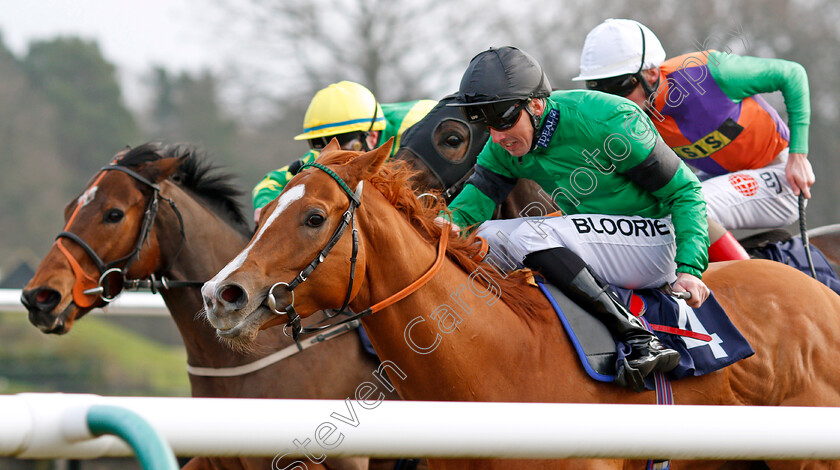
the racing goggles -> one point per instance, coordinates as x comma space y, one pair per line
349, 141
501, 115
621, 85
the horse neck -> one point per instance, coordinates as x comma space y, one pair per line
209, 243
396, 255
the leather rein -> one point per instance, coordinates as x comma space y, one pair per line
82, 290
347, 219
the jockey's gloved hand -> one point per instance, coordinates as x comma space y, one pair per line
443, 223
690, 283
294, 167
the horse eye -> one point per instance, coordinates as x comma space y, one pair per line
113, 216
315, 220
454, 140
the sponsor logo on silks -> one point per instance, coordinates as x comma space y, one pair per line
549, 126
627, 227
744, 184
712, 142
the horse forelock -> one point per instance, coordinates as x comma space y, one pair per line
195, 174
393, 180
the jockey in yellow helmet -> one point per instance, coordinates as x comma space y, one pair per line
350, 113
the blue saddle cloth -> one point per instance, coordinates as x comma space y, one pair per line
792, 253
725, 346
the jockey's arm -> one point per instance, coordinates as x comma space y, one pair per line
273, 183
484, 190
740, 77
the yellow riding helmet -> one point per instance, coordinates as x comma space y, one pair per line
340, 108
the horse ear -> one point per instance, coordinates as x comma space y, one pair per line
333, 145
158, 170
369, 163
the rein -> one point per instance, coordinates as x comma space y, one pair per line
85, 286
276, 356
347, 219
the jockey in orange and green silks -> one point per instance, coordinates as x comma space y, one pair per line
706, 106
349, 112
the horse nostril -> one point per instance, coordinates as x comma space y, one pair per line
234, 295
42, 298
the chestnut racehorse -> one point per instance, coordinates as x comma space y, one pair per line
460, 331
187, 240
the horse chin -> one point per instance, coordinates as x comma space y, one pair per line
244, 334
62, 323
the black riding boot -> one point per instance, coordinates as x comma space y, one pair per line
572, 275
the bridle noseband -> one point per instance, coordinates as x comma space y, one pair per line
348, 219
107, 269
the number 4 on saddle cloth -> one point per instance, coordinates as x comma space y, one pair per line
704, 345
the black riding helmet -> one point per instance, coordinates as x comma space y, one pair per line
497, 82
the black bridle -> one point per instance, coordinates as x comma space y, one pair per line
109, 269
347, 220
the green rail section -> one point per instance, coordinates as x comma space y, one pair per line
152, 450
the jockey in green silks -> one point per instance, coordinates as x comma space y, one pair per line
631, 208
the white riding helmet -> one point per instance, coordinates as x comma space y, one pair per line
615, 47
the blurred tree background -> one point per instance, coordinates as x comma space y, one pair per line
64, 111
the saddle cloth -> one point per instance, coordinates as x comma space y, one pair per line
792, 253
721, 346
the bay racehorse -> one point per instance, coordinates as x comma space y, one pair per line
164, 215
461, 331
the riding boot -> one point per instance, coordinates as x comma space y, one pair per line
574, 277
727, 248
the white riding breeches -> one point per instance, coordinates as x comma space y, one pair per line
752, 199
627, 251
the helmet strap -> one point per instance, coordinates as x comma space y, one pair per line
647, 87
535, 122
366, 133
639, 75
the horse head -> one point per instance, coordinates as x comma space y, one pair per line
107, 238
299, 239
442, 147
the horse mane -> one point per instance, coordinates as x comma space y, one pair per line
197, 175
393, 180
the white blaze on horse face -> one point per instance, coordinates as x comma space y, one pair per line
87, 197
286, 198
